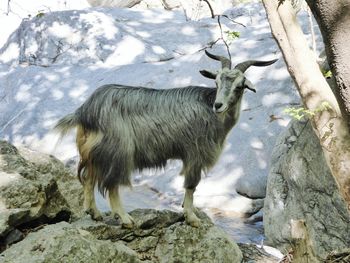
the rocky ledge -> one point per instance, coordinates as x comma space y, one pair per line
41, 221
160, 236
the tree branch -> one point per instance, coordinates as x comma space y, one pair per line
211, 9
222, 37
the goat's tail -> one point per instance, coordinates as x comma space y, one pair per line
65, 124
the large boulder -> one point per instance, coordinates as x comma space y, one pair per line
29, 194
114, 3
67, 183
304, 212
108, 36
193, 9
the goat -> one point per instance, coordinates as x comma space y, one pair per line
122, 128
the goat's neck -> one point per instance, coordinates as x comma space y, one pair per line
232, 115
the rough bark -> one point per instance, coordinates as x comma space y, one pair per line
329, 125
333, 18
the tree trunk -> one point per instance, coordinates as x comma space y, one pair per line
333, 18
329, 125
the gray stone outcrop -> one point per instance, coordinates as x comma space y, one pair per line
304, 212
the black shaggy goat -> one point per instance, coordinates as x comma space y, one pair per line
123, 128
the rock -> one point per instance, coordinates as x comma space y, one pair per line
193, 9
304, 212
63, 242
29, 193
13, 237
161, 236
252, 253
67, 183
339, 256
171, 4
74, 37
150, 4
114, 3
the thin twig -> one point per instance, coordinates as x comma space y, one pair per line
234, 21
222, 37
213, 15
8, 7
221, 32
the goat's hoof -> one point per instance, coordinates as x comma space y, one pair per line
127, 225
192, 220
95, 215
127, 221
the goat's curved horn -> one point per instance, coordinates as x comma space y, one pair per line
225, 62
245, 65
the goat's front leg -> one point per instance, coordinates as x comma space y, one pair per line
89, 198
192, 179
118, 209
190, 216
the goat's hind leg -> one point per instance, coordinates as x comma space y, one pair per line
85, 141
192, 179
118, 209
89, 197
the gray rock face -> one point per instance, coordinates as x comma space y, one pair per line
303, 207
67, 183
63, 242
74, 38
163, 236
37, 194
114, 3
29, 195
252, 253
193, 9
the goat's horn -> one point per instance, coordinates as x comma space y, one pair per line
245, 65
225, 62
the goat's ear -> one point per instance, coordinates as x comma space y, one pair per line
249, 85
208, 74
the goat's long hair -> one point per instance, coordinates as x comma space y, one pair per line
123, 128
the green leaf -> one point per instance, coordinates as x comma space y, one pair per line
327, 74
40, 14
299, 113
232, 35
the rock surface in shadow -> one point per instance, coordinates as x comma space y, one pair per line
304, 211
